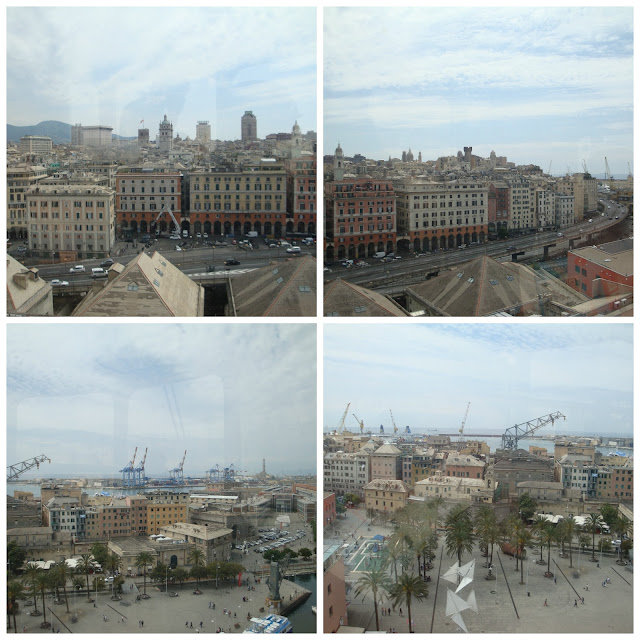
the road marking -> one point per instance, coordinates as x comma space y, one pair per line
221, 273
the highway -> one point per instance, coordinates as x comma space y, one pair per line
408, 268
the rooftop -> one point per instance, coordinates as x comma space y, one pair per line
345, 299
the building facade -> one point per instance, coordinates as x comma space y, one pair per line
78, 220
346, 473
165, 135
434, 216
386, 496
91, 136
141, 197
236, 202
20, 179
39, 145
203, 132
302, 195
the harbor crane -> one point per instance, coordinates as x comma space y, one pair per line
393, 422
128, 473
15, 470
464, 420
177, 474
340, 428
222, 474
139, 477
360, 422
607, 172
517, 432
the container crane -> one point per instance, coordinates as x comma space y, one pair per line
393, 422
139, 477
464, 420
128, 473
517, 432
360, 422
15, 470
177, 474
340, 427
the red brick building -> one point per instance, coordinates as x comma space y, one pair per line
498, 208
360, 217
302, 207
329, 508
606, 270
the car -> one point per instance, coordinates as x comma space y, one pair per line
512, 248
272, 245
561, 235
211, 268
79, 268
174, 237
617, 217
198, 235
59, 283
231, 261
205, 235
106, 263
22, 249
616, 543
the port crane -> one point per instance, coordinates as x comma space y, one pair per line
222, 474
177, 474
128, 473
360, 422
464, 421
15, 470
393, 422
139, 477
513, 434
340, 427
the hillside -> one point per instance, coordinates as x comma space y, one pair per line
59, 132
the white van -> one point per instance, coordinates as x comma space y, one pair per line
185, 233
293, 250
379, 254
98, 272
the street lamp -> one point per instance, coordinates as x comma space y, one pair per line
217, 568
166, 579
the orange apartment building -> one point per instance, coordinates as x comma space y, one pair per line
464, 466
302, 207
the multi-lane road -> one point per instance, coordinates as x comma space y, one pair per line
377, 273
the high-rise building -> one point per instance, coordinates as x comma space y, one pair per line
249, 126
165, 135
203, 131
91, 136
36, 144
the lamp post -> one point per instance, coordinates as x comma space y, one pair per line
166, 579
217, 568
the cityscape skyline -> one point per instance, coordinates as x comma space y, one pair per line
443, 367
121, 391
202, 75
540, 86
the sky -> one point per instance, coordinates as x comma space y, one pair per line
86, 395
537, 85
510, 373
118, 66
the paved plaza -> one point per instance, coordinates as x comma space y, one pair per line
161, 613
504, 604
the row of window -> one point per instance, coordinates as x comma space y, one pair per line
56, 215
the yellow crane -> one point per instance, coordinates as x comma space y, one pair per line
360, 422
340, 428
393, 422
461, 429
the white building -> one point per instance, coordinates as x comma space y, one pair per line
346, 473
450, 488
564, 211
35, 144
75, 218
165, 135
203, 132
522, 204
19, 180
91, 136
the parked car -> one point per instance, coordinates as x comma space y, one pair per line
106, 263
79, 268
59, 283
231, 262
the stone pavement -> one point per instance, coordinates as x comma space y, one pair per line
504, 605
162, 613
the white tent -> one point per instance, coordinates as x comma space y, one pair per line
452, 574
466, 573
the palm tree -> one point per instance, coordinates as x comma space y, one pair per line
481, 521
43, 582
591, 526
62, 573
572, 530
31, 579
520, 538
86, 565
459, 532
539, 525
393, 551
143, 560
548, 535
374, 581
15, 592
404, 590
622, 526
113, 564
509, 526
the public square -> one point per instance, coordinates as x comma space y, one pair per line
504, 606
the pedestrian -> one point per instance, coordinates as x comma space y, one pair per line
94, 605
191, 626
143, 623
555, 581
545, 603
201, 624
186, 624
400, 608
575, 603
122, 619
582, 599
586, 588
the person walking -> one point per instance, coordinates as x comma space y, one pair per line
545, 603
575, 603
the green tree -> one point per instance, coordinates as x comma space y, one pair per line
43, 583
273, 555
548, 536
15, 592
112, 563
520, 538
604, 544
527, 506
86, 565
198, 572
375, 582
591, 526
16, 556
409, 587
99, 551
609, 513
31, 580
180, 575
459, 532
313, 529
352, 497
572, 530
622, 526
143, 560
305, 553
539, 525
159, 573
62, 573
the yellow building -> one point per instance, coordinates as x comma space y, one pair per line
19, 179
164, 514
386, 495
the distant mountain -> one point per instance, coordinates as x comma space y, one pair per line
59, 132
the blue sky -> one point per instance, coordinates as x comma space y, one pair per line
118, 66
86, 395
537, 85
511, 373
